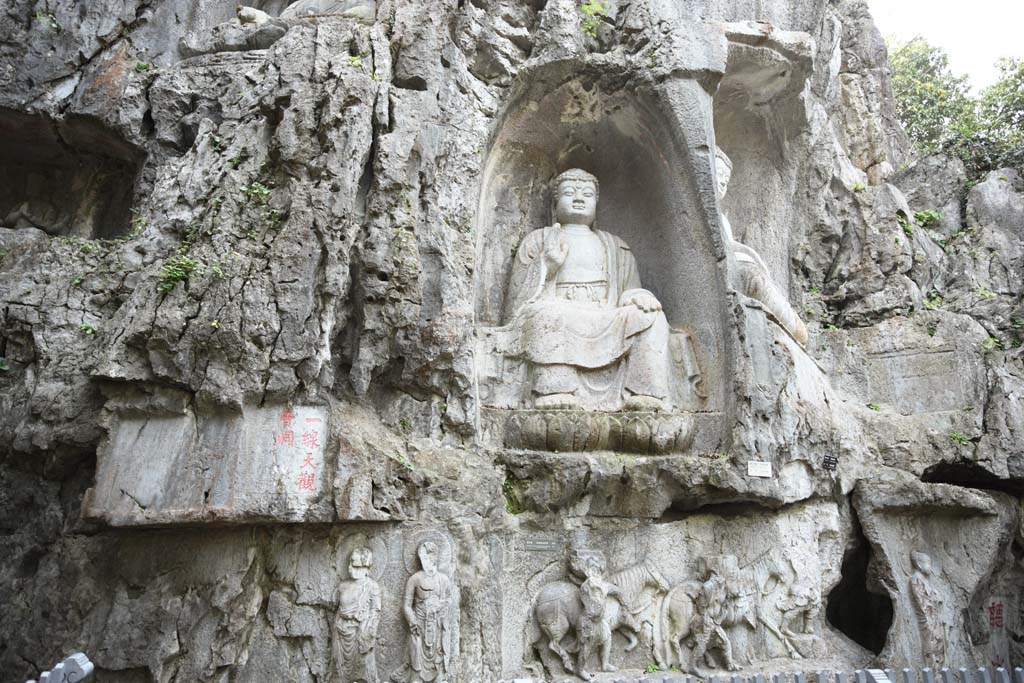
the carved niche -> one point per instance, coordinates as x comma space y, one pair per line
600, 290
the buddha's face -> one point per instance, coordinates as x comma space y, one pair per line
577, 202
358, 572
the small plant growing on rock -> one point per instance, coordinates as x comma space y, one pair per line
986, 293
859, 187
874, 406
960, 439
49, 20
87, 328
257, 191
926, 219
177, 269
593, 13
933, 301
991, 344
142, 67
356, 61
4, 367
908, 229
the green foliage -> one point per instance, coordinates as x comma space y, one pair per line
940, 114
49, 20
933, 301
652, 668
859, 187
4, 367
592, 13
512, 504
986, 293
87, 328
257, 192
142, 67
874, 406
177, 269
356, 61
908, 229
927, 219
991, 344
958, 438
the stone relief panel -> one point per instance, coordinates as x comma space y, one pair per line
685, 594
260, 463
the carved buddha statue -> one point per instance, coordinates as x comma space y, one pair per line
593, 337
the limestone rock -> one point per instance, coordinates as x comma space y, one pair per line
216, 233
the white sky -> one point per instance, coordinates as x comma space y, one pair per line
975, 33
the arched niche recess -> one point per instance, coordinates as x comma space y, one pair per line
759, 115
650, 147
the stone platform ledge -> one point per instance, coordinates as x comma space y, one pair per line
571, 431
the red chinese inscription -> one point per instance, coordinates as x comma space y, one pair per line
995, 615
287, 418
306, 481
311, 439
285, 437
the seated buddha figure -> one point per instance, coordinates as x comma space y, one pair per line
592, 337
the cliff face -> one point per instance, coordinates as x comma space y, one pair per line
254, 317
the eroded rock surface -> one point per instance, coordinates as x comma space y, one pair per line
264, 416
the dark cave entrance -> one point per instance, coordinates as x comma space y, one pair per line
862, 615
66, 178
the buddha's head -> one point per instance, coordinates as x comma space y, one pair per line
576, 193
723, 171
359, 563
428, 556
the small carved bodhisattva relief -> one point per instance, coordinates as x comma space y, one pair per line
928, 607
429, 611
355, 623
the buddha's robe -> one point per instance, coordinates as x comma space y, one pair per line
578, 336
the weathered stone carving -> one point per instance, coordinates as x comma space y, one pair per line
927, 604
753, 279
593, 338
74, 669
355, 623
708, 614
363, 9
590, 607
430, 612
253, 29
799, 611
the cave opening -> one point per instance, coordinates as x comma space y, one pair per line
854, 609
69, 178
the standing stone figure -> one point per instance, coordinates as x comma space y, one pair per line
928, 606
594, 626
594, 338
708, 626
429, 612
753, 278
355, 624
